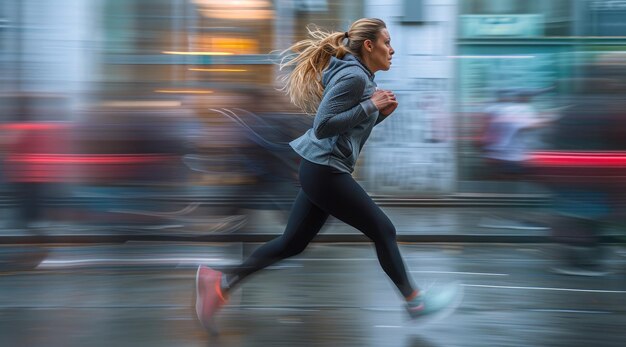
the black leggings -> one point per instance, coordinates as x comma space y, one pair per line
327, 192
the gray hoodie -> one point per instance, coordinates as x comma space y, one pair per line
345, 116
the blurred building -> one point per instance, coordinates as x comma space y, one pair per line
452, 57
413, 152
531, 45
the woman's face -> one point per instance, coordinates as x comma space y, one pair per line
379, 52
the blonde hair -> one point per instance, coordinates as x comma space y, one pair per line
310, 57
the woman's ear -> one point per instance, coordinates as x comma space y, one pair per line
368, 45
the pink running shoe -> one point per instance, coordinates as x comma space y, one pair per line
209, 295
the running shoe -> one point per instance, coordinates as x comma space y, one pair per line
435, 302
209, 295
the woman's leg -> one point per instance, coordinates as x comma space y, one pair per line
341, 196
304, 222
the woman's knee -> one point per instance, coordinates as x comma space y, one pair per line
391, 232
290, 248
385, 232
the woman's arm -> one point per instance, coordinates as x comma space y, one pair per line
340, 109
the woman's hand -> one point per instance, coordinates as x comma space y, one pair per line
385, 101
389, 109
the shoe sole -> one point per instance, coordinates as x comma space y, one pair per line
198, 306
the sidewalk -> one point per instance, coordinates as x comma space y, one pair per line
212, 215
413, 224
142, 294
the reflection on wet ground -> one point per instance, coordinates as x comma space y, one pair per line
141, 294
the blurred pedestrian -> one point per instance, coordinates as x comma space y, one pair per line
585, 169
333, 77
507, 142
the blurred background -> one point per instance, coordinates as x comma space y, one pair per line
108, 102
139, 138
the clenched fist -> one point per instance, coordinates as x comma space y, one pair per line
385, 101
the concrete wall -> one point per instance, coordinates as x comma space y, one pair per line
413, 152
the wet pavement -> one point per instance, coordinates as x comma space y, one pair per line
141, 294
439, 224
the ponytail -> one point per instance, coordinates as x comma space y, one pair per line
309, 58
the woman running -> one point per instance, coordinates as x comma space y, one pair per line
333, 78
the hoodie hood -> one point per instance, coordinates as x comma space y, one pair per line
337, 65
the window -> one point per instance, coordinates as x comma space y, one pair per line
556, 16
